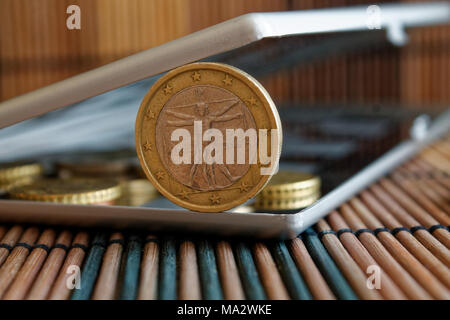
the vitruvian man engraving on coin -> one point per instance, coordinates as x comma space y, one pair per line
195, 108
208, 136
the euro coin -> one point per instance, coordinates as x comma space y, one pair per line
13, 171
208, 136
136, 192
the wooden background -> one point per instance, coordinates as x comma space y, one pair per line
37, 49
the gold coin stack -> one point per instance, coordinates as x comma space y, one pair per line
71, 191
17, 174
137, 192
288, 190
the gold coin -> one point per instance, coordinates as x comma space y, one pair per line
207, 96
136, 192
286, 203
290, 185
10, 172
289, 190
74, 191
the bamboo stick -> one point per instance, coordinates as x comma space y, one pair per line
31, 267
436, 193
426, 238
167, 284
416, 211
16, 258
270, 277
419, 197
248, 272
441, 190
432, 172
44, 281
411, 167
439, 177
404, 280
130, 284
189, 282
2, 231
228, 271
423, 276
149, 270
75, 257
414, 246
326, 265
349, 267
313, 278
9, 240
442, 147
436, 160
91, 268
291, 276
106, 282
210, 283
388, 288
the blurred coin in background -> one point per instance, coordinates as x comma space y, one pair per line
15, 174
136, 192
288, 190
111, 164
71, 191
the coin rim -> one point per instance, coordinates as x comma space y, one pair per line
286, 203
256, 88
19, 171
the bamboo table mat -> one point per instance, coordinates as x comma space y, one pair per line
398, 228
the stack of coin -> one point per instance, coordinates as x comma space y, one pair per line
16, 174
216, 98
288, 191
136, 192
71, 191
